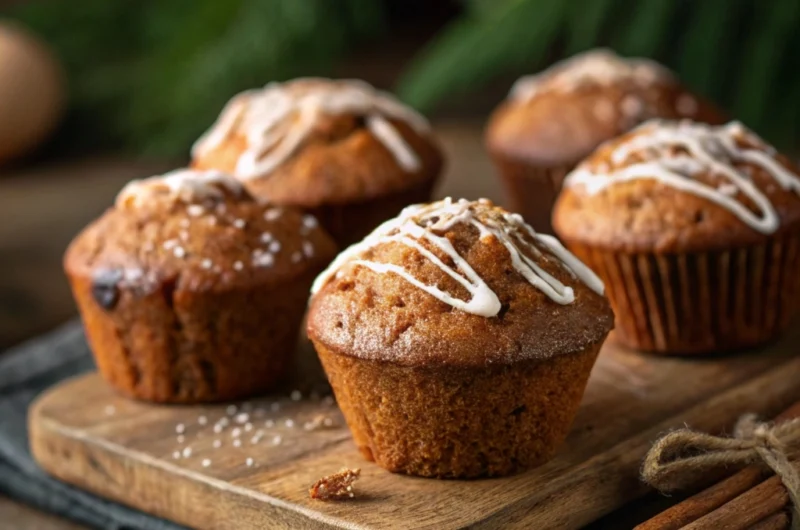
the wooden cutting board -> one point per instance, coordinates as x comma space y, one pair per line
170, 461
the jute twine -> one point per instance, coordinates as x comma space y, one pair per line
680, 458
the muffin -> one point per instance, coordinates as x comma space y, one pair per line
341, 150
192, 291
553, 120
458, 341
695, 230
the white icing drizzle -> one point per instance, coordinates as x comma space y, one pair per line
596, 67
675, 153
429, 223
186, 185
278, 118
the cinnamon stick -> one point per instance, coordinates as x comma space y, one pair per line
718, 495
747, 509
779, 521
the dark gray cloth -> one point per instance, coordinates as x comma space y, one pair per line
26, 371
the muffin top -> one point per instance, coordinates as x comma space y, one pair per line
458, 284
560, 115
318, 141
678, 187
198, 231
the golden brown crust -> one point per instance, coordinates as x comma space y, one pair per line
458, 422
647, 216
559, 128
382, 316
183, 303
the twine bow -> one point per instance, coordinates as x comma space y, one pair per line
680, 458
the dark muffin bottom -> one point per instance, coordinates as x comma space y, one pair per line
185, 347
459, 422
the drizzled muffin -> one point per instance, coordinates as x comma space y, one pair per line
349, 154
695, 230
553, 120
458, 341
190, 290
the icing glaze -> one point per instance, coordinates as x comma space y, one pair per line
184, 185
278, 118
675, 153
596, 67
429, 223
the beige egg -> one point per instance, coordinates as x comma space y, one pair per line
31, 92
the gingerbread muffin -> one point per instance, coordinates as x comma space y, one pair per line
191, 291
458, 341
695, 230
553, 120
341, 150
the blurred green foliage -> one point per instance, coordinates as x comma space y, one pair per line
152, 75
743, 54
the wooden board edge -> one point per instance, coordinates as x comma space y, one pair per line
102, 468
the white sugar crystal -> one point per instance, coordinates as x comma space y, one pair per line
110, 410
275, 247
248, 427
187, 452
239, 223
249, 462
206, 263
242, 418
180, 428
206, 462
263, 260
266, 237
236, 432
296, 257
269, 424
308, 249
296, 395
290, 423
218, 428
169, 244
272, 214
277, 440
179, 252
238, 265
231, 410
309, 221
237, 442
217, 444
176, 455
275, 407
195, 210
181, 438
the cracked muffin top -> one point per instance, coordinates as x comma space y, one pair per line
317, 141
457, 283
559, 116
679, 187
196, 230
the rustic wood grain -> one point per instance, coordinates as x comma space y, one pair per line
631, 399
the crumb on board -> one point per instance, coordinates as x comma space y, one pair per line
338, 486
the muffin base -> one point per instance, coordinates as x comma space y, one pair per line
700, 302
184, 347
352, 222
531, 191
451, 422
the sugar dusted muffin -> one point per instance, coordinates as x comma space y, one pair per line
695, 230
190, 290
351, 155
458, 341
553, 120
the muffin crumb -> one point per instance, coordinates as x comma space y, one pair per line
338, 486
